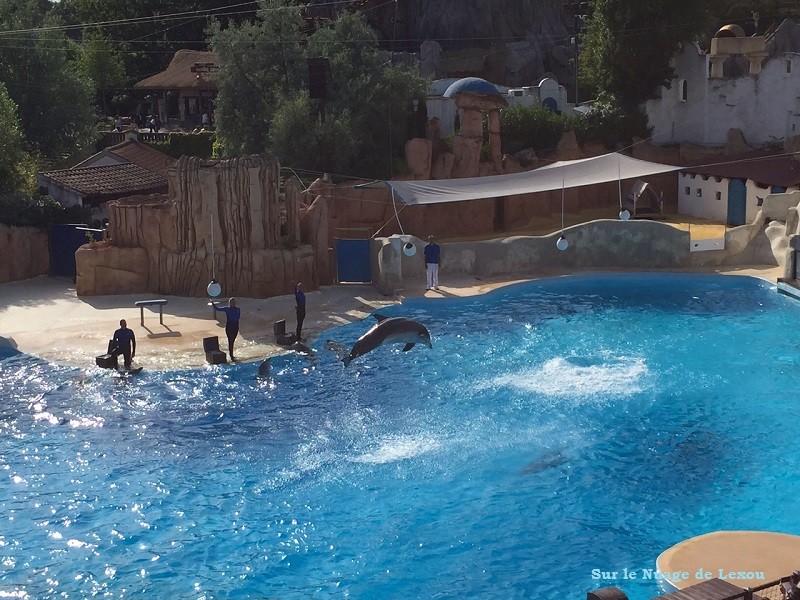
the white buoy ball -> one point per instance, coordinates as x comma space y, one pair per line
562, 243
624, 214
214, 289
409, 249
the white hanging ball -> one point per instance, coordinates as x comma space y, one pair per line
409, 249
214, 289
562, 243
624, 214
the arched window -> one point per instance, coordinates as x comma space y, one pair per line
683, 90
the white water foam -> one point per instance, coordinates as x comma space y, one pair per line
397, 448
580, 377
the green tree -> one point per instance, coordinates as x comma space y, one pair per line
38, 65
102, 63
12, 151
264, 104
629, 44
369, 96
262, 64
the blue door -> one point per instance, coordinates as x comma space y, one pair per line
353, 263
737, 203
64, 241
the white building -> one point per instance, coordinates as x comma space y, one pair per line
733, 191
747, 83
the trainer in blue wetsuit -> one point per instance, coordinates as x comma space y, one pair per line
124, 343
300, 307
232, 315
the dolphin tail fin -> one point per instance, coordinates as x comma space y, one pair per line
379, 317
346, 360
407, 347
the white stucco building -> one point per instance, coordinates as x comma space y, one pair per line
733, 192
746, 83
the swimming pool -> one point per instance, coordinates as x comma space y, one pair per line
556, 427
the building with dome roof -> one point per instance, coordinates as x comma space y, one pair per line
441, 97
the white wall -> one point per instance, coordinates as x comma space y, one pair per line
766, 107
62, 196
102, 159
445, 110
706, 205
754, 192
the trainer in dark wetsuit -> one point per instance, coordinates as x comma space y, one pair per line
300, 300
124, 343
232, 314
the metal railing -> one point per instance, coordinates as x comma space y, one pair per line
153, 137
772, 590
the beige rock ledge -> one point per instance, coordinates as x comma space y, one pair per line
743, 558
44, 317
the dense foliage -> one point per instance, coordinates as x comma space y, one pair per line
629, 44
11, 143
264, 101
535, 127
30, 210
54, 99
186, 144
102, 63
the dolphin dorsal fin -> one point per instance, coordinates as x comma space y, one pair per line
379, 317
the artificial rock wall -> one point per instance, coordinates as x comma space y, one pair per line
25, 252
220, 219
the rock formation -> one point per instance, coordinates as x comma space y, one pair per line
221, 219
538, 35
25, 252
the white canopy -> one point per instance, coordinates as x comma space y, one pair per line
569, 174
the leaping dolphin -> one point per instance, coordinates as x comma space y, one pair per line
390, 330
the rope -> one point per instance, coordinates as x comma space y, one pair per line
396, 214
563, 185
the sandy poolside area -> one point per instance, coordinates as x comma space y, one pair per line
44, 317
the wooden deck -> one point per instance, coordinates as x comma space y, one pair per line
713, 589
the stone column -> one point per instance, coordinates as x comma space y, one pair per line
717, 61
756, 59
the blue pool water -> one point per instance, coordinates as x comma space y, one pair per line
556, 427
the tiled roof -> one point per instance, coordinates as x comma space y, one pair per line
142, 155
179, 76
108, 182
132, 151
780, 170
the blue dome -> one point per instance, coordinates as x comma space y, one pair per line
475, 85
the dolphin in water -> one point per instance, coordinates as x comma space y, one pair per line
548, 461
264, 368
390, 330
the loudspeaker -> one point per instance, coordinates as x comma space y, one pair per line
210, 344
106, 361
213, 354
318, 74
279, 327
287, 339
